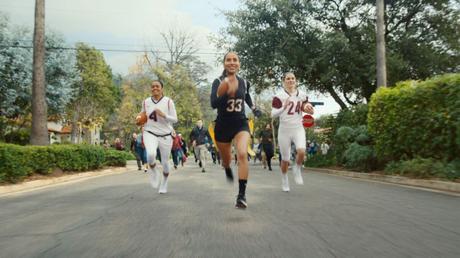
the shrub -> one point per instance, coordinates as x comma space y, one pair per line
417, 119
21, 137
40, 158
425, 168
117, 158
360, 157
319, 160
17, 162
13, 163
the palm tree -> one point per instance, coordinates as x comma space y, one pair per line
381, 59
39, 135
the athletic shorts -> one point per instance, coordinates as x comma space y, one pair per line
288, 136
225, 131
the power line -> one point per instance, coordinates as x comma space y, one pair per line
103, 49
112, 44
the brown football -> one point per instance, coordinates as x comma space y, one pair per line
141, 118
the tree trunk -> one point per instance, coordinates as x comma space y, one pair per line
336, 97
381, 59
74, 133
39, 134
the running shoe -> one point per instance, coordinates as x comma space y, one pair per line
241, 202
154, 176
164, 185
297, 174
285, 182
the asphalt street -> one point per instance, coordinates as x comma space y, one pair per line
123, 216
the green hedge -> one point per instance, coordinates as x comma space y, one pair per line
117, 158
417, 119
17, 162
425, 168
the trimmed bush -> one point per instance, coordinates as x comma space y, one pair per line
41, 159
13, 163
18, 162
117, 158
417, 119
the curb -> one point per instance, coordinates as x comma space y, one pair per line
424, 183
42, 183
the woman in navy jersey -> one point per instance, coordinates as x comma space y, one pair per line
229, 94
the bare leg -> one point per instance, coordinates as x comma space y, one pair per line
241, 141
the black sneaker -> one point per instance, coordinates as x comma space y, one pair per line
241, 202
229, 174
202, 171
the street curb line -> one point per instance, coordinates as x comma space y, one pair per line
425, 183
41, 183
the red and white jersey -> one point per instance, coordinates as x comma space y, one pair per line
155, 123
291, 113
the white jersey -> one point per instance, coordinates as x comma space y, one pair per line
157, 124
292, 115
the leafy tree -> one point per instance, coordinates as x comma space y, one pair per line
96, 95
16, 76
177, 85
330, 44
180, 87
15, 70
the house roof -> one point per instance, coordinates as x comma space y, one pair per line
64, 130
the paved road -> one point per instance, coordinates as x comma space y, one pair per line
330, 216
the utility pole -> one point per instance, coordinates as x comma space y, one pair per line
381, 59
39, 134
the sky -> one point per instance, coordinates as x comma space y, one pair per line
135, 24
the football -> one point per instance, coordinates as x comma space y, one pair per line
308, 121
141, 118
276, 103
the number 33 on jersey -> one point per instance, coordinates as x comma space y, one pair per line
234, 105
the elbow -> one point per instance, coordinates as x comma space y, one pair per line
213, 104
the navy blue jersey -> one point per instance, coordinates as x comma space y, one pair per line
231, 107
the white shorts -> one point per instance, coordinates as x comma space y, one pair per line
288, 136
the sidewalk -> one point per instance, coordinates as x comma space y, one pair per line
54, 181
423, 183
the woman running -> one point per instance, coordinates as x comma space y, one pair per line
289, 106
161, 114
229, 94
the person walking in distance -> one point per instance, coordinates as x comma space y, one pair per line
133, 150
266, 139
161, 114
289, 105
199, 137
228, 95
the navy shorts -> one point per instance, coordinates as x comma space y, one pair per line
225, 130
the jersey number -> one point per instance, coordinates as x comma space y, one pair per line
234, 105
292, 111
153, 116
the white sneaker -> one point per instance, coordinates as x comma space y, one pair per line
297, 174
285, 182
154, 176
164, 185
